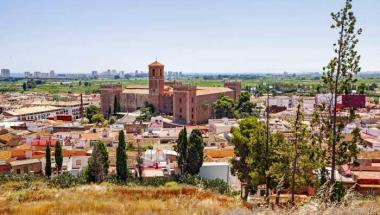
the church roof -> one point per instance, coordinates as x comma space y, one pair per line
156, 63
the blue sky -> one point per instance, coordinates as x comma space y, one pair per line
190, 36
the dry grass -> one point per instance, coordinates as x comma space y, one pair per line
38, 198
111, 199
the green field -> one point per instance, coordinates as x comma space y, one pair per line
54, 87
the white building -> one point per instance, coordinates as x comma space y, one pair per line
34, 113
218, 126
5, 73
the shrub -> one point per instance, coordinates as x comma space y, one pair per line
194, 180
11, 177
217, 185
171, 184
67, 180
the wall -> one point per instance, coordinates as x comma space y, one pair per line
204, 107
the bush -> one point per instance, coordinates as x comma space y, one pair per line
194, 180
171, 184
11, 177
217, 185
67, 180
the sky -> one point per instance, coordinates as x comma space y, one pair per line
192, 36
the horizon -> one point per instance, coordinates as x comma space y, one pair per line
223, 37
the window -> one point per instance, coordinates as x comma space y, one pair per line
180, 110
192, 116
153, 72
26, 169
192, 110
78, 162
180, 100
192, 100
18, 171
180, 116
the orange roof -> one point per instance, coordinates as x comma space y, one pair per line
67, 153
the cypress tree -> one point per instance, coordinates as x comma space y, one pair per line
181, 149
195, 152
121, 158
58, 156
48, 160
116, 105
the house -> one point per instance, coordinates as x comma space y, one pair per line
29, 166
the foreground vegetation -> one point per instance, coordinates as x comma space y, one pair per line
30, 195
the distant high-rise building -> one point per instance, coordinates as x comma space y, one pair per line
52, 74
94, 74
28, 74
37, 74
5, 73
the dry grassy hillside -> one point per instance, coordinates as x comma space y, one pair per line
38, 198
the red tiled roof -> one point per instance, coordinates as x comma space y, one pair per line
43, 142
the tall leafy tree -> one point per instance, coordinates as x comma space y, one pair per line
91, 111
249, 147
339, 73
224, 107
245, 107
182, 149
121, 158
48, 160
58, 154
98, 163
195, 152
281, 159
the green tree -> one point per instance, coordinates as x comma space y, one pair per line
280, 160
98, 163
116, 105
362, 88
340, 71
48, 160
91, 111
121, 158
249, 147
245, 107
195, 152
98, 118
224, 107
58, 156
182, 149
146, 113
24, 87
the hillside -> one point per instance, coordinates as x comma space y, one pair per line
38, 198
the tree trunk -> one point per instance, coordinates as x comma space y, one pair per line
335, 92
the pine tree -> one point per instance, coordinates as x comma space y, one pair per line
195, 152
98, 163
182, 150
249, 142
48, 160
339, 74
121, 158
58, 156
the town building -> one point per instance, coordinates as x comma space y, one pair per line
34, 113
187, 103
5, 73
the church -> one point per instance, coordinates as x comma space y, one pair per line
188, 104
